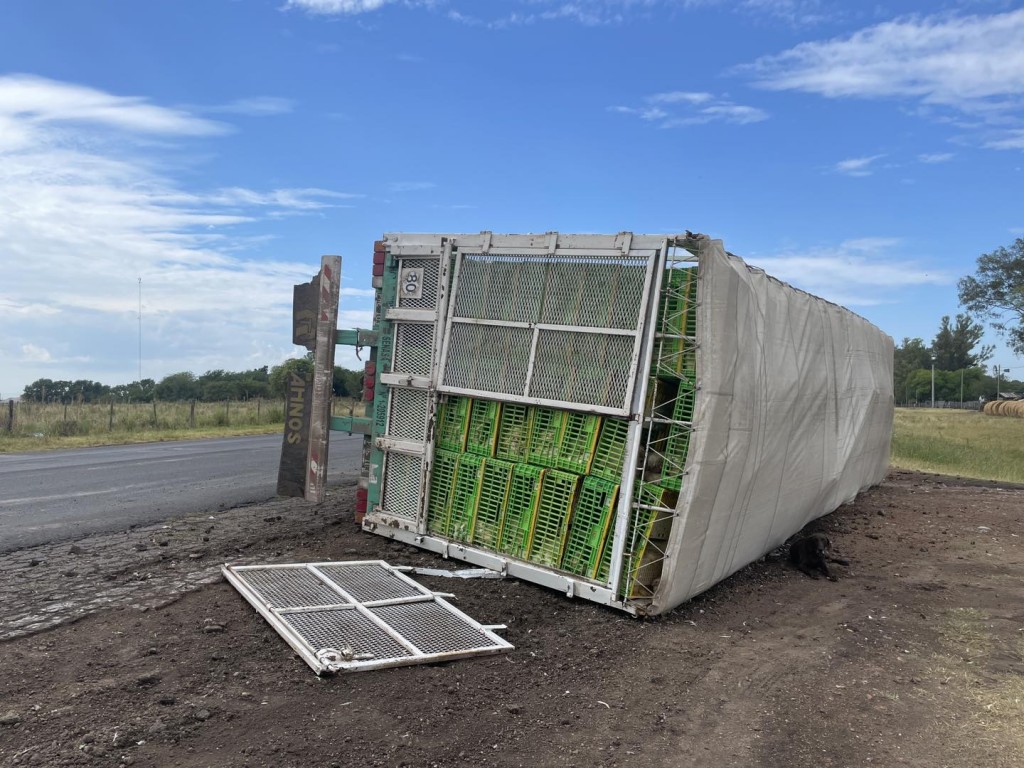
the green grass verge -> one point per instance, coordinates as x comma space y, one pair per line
965, 443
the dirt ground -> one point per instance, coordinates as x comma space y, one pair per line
130, 649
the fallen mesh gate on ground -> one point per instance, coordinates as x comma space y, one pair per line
626, 418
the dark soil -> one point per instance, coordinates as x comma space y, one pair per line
130, 649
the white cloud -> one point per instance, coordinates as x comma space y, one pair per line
861, 272
966, 64
255, 106
34, 354
410, 186
87, 211
675, 97
27, 100
681, 108
857, 166
1011, 140
937, 157
334, 7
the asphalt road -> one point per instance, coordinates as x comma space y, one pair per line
61, 495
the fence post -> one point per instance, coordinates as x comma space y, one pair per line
110, 422
259, 401
192, 415
10, 417
65, 411
154, 411
227, 413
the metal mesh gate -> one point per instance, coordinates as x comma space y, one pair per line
560, 329
355, 616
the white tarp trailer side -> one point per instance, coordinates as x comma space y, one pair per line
792, 408
793, 418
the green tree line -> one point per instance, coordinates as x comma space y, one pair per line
212, 386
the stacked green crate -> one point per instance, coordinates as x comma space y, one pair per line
465, 492
589, 526
640, 520
452, 423
495, 483
442, 479
551, 523
546, 426
677, 314
678, 442
482, 434
647, 543
523, 495
577, 443
610, 450
513, 432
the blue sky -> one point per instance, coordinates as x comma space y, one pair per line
868, 153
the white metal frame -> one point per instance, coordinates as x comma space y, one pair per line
574, 247
656, 249
334, 660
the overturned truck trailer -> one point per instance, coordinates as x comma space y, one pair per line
626, 418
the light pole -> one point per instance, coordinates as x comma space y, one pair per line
998, 372
933, 381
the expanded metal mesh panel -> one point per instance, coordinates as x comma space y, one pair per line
428, 297
367, 582
292, 587
402, 482
578, 363
489, 358
594, 293
432, 628
408, 418
506, 288
394, 621
414, 348
582, 368
345, 628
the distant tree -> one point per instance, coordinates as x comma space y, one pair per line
954, 345
38, 390
996, 292
909, 356
278, 377
222, 389
179, 386
347, 383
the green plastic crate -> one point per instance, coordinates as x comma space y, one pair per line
483, 427
465, 492
677, 315
442, 478
579, 439
588, 529
513, 432
678, 443
639, 519
610, 449
546, 425
517, 522
551, 523
495, 484
452, 423
647, 540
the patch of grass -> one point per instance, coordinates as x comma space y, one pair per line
40, 427
990, 704
966, 443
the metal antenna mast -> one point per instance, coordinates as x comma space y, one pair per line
140, 329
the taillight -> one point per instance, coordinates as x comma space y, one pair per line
378, 258
369, 380
361, 503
